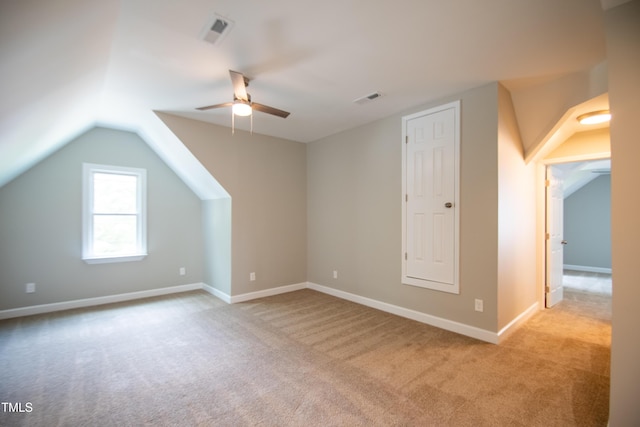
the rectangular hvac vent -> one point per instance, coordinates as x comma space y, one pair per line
367, 98
219, 26
216, 29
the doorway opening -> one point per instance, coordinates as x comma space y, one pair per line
578, 237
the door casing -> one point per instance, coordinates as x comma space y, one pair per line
441, 206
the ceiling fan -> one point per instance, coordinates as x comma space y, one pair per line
242, 104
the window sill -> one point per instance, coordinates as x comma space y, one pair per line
106, 260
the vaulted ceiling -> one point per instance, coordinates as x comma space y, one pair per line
67, 65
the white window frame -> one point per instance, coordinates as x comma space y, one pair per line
88, 256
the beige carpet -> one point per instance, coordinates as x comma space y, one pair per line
300, 359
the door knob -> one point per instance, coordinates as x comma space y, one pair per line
564, 242
448, 205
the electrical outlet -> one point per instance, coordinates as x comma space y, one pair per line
182, 271
30, 288
479, 305
335, 274
252, 277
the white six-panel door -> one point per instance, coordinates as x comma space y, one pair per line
430, 206
555, 241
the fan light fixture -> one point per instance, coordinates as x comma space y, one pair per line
242, 104
241, 108
594, 117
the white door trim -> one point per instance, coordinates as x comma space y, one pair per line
541, 214
405, 279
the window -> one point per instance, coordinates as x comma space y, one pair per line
114, 214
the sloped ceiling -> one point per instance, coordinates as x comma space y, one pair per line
576, 175
67, 65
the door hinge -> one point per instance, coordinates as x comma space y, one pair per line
406, 197
547, 236
547, 183
547, 289
405, 256
406, 139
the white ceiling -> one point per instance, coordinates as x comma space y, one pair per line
69, 64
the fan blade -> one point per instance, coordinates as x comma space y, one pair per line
239, 85
209, 107
269, 110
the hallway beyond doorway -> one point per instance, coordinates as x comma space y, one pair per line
584, 281
588, 295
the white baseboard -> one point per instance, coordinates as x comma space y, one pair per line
517, 322
449, 325
587, 268
217, 293
89, 302
266, 293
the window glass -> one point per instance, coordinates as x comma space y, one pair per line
114, 234
113, 193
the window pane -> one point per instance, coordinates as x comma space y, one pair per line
114, 234
113, 193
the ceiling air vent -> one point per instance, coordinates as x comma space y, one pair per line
216, 29
368, 98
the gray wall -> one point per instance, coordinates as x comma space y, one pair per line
587, 225
216, 226
516, 256
267, 214
354, 218
41, 227
623, 60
